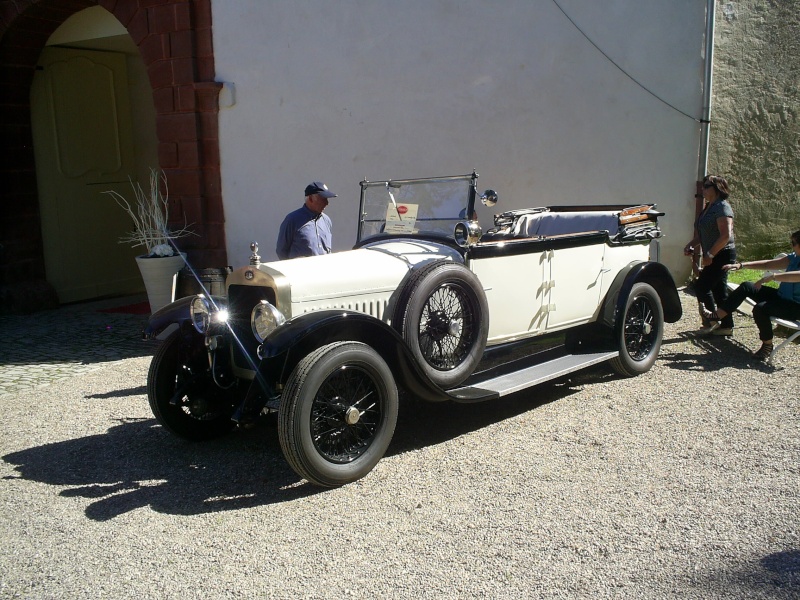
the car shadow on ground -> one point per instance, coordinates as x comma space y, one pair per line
137, 463
414, 430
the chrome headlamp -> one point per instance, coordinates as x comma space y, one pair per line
264, 319
467, 233
205, 314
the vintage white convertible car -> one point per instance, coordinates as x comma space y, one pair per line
425, 305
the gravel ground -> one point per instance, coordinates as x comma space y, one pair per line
682, 482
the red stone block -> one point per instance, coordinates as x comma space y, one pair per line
8, 12
184, 182
186, 98
27, 56
152, 3
205, 68
183, 70
215, 235
181, 44
109, 5
162, 18
214, 210
125, 11
209, 150
211, 181
176, 127
208, 125
202, 14
191, 210
167, 154
208, 95
188, 154
36, 25
19, 37
160, 73
183, 16
205, 47
154, 47
138, 26
163, 100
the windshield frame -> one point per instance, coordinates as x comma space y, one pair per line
366, 185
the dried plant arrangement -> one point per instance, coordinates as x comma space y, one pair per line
150, 215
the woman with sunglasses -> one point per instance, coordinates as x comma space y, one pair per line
783, 303
714, 233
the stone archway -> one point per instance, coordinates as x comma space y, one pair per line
175, 41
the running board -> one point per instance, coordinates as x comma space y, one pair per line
528, 377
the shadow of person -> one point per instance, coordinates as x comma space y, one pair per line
718, 353
137, 463
785, 564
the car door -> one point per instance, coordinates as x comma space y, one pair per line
515, 292
573, 280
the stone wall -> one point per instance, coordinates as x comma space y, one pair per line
755, 135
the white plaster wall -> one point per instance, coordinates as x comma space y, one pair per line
381, 89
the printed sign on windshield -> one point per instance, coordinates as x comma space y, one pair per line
401, 219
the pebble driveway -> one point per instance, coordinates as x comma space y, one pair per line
45, 347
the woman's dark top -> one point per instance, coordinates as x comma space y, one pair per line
707, 224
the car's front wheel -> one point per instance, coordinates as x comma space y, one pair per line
338, 413
641, 331
183, 396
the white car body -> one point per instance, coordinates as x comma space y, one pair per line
425, 305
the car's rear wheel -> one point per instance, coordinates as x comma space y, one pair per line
640, 332
443, 317
338, 413
183, 396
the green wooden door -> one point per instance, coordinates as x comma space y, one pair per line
83, 145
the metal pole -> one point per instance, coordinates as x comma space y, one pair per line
708, 78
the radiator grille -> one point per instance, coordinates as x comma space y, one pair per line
241, 300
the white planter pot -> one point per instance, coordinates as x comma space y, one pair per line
159, 276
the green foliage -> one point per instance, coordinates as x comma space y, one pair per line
743, 275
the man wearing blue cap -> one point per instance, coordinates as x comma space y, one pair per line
307, 230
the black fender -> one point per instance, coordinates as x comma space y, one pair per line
298, 337
177, 312
653, 273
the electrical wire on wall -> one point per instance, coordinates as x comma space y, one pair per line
628, 75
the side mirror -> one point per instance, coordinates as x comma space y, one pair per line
489, 198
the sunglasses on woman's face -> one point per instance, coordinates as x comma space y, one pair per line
708, 185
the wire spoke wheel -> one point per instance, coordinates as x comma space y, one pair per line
338, 413
640, 332
346, 414
182, 395
446, 327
